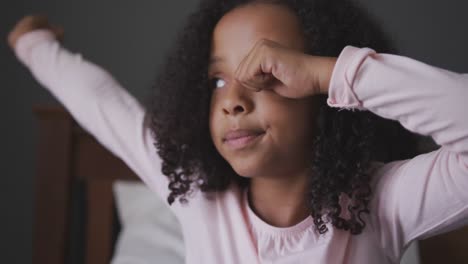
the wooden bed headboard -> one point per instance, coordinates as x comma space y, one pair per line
67, 157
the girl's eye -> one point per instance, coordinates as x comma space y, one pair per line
217, 83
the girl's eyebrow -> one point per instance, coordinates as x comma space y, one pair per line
215, 59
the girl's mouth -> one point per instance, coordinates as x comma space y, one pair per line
239, 139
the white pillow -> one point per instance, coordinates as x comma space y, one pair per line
411, 255
150, 232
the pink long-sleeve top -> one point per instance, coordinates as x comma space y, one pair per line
413, 199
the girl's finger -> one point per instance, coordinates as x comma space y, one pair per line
58, 31
260, 81
250, 70
249, 63
242, 69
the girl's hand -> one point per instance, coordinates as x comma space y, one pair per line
288, 72
30, 23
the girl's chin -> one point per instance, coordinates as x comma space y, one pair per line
245, 176
247, 171
249, 165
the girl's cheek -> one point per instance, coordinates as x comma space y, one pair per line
213, 101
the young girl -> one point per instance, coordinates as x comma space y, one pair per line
272, 122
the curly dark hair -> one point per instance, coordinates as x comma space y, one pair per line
346, 141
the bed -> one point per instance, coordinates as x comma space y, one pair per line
75, 212
73, 197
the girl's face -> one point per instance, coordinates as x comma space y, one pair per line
283, 127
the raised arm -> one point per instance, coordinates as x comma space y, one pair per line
426, 195
92, 96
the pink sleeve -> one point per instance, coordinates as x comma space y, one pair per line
96, 101
425, 195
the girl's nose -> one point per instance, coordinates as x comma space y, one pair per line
237, 100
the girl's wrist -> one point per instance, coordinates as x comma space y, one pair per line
322, 69
327, 64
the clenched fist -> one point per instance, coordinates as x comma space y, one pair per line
288, 72
30, 23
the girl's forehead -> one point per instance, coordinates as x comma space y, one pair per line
242, 27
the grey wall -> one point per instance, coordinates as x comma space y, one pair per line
129, 39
